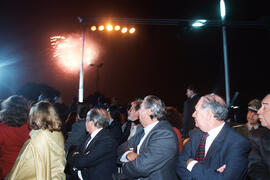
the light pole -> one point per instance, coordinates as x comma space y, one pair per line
81, 70
98, 66
226, 69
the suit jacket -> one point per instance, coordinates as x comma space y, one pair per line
259, 158
77, 135
157, 157
188, 120
229, 147
98, 161
115, 130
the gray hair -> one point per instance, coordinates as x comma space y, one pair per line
99, 116
156, 105
217, 105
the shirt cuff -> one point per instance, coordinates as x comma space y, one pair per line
191, 165
123, 157
80, 175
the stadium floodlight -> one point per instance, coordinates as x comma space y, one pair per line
199, 23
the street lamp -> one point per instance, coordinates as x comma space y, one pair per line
81, 70
199, 23
98, 66
202, 22
226, 69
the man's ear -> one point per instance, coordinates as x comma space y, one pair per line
149, 112
210, 114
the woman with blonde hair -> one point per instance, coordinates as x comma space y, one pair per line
42, 156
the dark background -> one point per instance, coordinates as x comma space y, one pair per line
159, 60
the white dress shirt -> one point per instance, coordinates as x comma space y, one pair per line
212, 134
147, 130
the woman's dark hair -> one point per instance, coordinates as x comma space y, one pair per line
174, 117
114, 112
14, 111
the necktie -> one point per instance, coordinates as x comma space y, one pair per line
86, 143
200, 153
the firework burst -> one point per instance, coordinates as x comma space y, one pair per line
67, 50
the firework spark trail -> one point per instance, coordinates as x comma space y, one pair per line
68, 49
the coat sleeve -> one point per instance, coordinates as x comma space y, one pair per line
162, 147
75, 136
257, 169
236, 164
181, 167
101, 150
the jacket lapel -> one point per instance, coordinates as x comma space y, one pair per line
148, 135
218, 142
93, 141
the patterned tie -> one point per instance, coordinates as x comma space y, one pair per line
201, 149
86, 143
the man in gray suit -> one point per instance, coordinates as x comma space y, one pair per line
151, 153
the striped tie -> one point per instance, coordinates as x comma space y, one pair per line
201, 149
86, 143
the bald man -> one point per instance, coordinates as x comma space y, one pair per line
215, 151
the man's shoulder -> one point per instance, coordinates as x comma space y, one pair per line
260, 133
163, 127
232, 135
164, 124
104, 135
79, 123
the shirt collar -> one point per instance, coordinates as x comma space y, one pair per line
255, 127
93, 134
193, 95
214, 132
110, 122
148, 128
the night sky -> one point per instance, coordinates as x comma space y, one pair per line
159, 60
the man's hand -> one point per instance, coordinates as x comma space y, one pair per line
132, 156
189, 160
221, 169
75, 153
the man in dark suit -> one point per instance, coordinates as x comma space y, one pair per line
214, 151
96, 158
78, 131
189, 107
259, 158
151, 153
114, 123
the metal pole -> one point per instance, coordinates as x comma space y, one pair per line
97, 78
226, 69
81, 70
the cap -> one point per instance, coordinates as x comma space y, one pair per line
254, 105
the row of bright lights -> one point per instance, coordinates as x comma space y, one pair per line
110, 27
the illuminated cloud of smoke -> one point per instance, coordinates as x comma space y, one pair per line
67, 50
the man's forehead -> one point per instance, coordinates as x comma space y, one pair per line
199, 102
266, 100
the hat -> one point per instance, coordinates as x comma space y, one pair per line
254, 105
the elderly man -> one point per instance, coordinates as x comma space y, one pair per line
151, 153
96, 158
215, 151
259, 158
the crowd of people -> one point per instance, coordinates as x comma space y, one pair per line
147, 140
